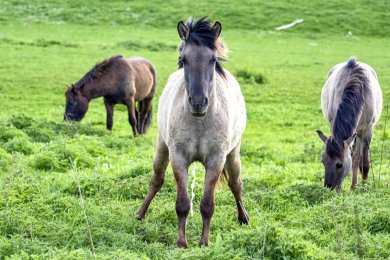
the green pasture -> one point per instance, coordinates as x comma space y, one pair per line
71, 190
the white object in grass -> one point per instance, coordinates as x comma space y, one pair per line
286, 26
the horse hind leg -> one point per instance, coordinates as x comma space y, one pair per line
138, 116
213, 170
145, 115
160, 164
233, 169
132, 115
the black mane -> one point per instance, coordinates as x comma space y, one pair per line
97, 70
350, 107
334, 148
200, 33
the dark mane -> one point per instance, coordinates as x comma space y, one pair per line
201, 34
352, 102
334, 148
98, 70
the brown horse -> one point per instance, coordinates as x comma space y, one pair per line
201, 117
118, 80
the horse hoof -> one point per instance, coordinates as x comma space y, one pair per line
203, 243
139, 216
182, 244
244, 219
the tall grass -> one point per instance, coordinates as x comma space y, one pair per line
51, 208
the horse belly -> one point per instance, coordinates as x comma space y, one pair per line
115, 98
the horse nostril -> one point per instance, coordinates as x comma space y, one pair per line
190, 100
206, 101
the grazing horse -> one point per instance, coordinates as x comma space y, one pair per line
351, 102
118, 80
201, 117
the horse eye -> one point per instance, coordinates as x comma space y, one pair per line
183, 60
213, 60
339, 165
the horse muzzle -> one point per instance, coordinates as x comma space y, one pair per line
199, 106
71, 117
333, 184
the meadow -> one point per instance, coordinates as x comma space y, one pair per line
71, 190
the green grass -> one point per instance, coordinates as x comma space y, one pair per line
45, 46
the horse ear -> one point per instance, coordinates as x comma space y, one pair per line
322, 136
217, 28
350, 140
182, 30
75, 89
67, 89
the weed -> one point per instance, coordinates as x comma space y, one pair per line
249, 76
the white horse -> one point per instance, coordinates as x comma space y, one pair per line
351, 103
201, 117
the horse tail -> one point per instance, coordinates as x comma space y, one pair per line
352, 101
154, 75
148, 118
138, 111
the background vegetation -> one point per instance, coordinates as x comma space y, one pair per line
54, 175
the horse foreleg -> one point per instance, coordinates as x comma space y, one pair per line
207, 204
160, 164
110, 113
356, 155
364, 163
138, 116
233, 168
132, 115
180, 171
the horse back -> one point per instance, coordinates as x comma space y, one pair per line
333, 90
141, 77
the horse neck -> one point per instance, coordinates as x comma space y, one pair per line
93, 89
348, 113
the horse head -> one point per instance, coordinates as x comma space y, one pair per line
76, 103
337, 159
200, 58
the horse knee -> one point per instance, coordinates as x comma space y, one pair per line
235, 185
182, 207
158, 167
157, 181
207, 208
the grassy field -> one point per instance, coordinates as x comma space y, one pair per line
47, 164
